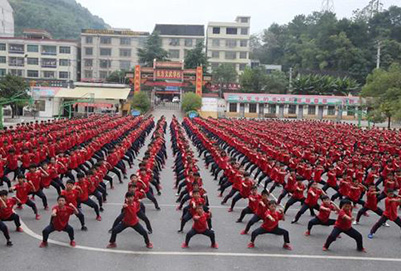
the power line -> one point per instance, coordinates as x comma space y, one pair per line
328, 6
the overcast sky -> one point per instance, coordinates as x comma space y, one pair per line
142, 15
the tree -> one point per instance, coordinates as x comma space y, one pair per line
152, 50
253, 80
191, 101
315, 84
277, 82
384, 88
141, 102
12, 86
196, 57
117, 77
224, 74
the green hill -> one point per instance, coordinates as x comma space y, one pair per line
64, 19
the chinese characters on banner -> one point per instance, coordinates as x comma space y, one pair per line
168, 74
137, 79
199, 83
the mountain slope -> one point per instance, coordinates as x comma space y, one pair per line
64, 19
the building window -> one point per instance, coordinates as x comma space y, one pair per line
243, 55
48, 74
104, 63
3, 59
216, 30
16, 61
243, 43
33, 48
174, 42
230, 55
33, 74
244, 31
63, 75
16, 48
125, 65
65, 50
233, 107
105, 51
311, 110
40, 105
49, 50
252, 108
188, 42
64, 62
88, 74
350, 111
16, 72
103, 74
201, 41
125, 41
231, 31
272, 109
49, 63
3, 46
174, 53
105, 40
88, 62
244, 20
3, 72
216, 43
88, 51
231, 43
292, 109
88, 40
215, 54
125, 52
331, 110
242, 67
33, 61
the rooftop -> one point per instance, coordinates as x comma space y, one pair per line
180, 30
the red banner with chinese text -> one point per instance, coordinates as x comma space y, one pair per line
199, 81
168, 74
137, 79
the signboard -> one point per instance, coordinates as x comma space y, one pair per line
170, 88
168, 74
291, 99
172, 64
192, 114
135, 113
199, 81
137, 79
230, 86
46, 92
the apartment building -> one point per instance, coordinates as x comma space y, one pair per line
107, 50
228, 42
38, 57
6, 19
178, 39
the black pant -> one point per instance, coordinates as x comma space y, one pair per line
245, 212
89, 202
276, 231
252, 221
235, 200
303, 209
317, 221
14, 217
41, 195
354, 234
137, 227
49, 229
31, 204
290, 202
4, 229
383, 220
363, 210
4, 179
207, 232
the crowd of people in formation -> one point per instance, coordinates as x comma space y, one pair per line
76, 158
327, 168
189, 185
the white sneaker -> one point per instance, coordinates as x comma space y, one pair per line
386, 225
355, 223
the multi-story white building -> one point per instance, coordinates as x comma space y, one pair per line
228, 42
37, 56
178, 39
105, 51
6, 19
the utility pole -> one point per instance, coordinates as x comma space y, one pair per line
290, 81
378, 54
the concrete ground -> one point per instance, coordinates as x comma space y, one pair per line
383, 252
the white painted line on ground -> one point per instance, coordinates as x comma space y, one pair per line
207, 254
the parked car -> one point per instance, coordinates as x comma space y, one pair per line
176, 99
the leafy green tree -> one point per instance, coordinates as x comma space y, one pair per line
383, 87
277, 83
13, 86
152, 50
64, 19
315, 84
191, 101
253, 80
141, 102
117, 77
224, 74
196, 57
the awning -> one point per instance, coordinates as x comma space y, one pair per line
95, 105
98, 93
